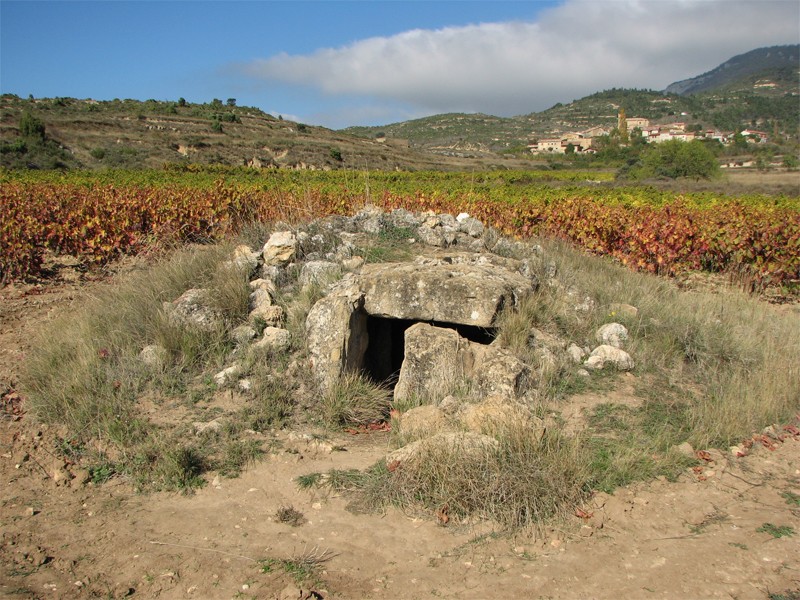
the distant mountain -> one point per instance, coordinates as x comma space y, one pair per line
776, 62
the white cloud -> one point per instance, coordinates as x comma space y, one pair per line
577, 48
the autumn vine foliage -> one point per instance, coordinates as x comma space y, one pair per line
98, 219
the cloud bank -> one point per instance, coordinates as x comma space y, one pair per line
572, 50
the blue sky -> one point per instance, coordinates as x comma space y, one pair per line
339, 63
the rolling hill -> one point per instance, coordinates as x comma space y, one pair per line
760, 87
132, 134
756, 89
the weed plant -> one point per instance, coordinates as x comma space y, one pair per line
354, 400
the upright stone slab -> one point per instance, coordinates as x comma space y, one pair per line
434, 358
336, 331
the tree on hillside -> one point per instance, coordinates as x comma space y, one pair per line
622, 126
31, 127
231, 102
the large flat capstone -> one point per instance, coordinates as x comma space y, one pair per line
451, 293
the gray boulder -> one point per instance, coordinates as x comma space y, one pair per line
609, 355
319, 272
612, 334
192, 309
280, 249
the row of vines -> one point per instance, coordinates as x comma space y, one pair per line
99, 217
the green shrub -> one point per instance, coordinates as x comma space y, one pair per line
31, 127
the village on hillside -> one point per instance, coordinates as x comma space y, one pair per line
586, 141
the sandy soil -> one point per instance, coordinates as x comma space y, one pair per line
61, 538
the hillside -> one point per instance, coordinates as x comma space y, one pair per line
774, 68
132, 134
758, 88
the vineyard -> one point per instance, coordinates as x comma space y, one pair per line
97, 217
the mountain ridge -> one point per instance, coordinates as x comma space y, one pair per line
740, 67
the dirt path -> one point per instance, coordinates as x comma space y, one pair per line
695, 538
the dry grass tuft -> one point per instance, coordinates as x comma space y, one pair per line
354, 400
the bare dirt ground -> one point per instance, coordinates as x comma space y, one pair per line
711, 534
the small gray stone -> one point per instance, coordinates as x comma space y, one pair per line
320, 272
280, 249
275, 339
576, 353
609, 355
685, 449
154, 356
191, 308
623, 310
612, 334
227, 375
243, 334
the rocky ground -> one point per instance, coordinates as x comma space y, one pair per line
727, 529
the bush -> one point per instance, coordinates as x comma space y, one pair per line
31, 127
674, 159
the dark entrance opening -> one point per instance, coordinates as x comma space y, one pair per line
386, 348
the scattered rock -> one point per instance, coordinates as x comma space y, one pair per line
192, 309
275, 339
200, 427
271, 316
576, 353
497, 372
496, 414
469, 225
542, 339
244, 257
227, 375
450, 405
609, 355
319, 272
463, 446
352, 264
154, 356
280, 249
243, 334
685, 449
260, 298
623, 310
612, 334
421, 421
